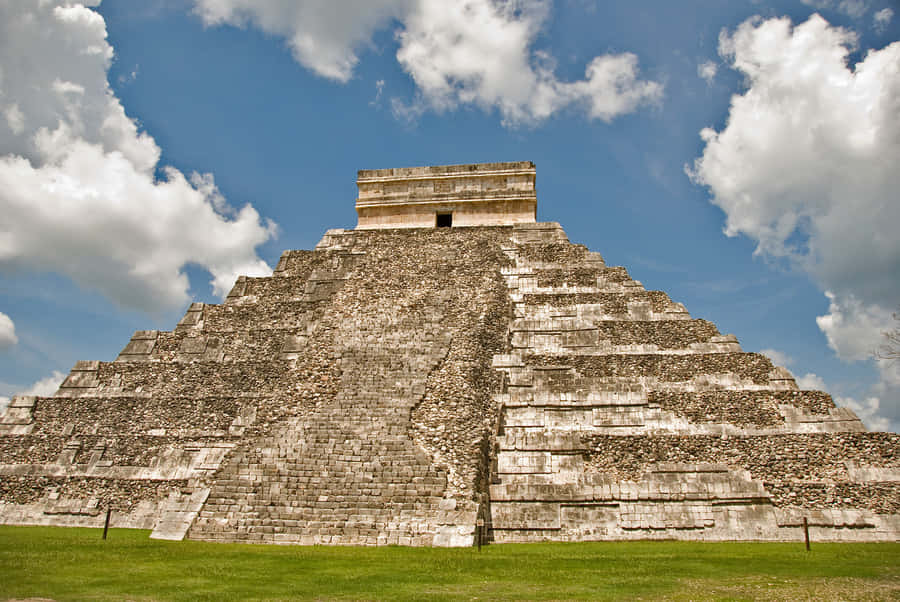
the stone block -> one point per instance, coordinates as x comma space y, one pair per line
139, 347
193, 345
20, 410
523, 462
525, 515
81, 380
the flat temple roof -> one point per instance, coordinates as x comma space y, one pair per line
437, 171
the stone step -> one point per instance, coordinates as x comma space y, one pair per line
612, 303
141, 414
576, 335
753, 366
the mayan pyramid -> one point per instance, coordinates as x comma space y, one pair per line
448, 367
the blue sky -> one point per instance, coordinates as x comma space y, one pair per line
151, 151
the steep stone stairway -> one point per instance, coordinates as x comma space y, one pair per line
347, 471
393, 386
353, 467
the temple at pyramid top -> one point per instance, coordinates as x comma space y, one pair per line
480, 194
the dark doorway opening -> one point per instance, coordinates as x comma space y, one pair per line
444, 220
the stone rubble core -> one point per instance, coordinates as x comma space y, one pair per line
394, 386
483, 194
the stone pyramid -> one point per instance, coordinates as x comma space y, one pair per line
450, 363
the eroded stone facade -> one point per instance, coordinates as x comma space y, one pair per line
393, 386
482, 194
621, 417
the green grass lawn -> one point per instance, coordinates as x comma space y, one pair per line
76, 564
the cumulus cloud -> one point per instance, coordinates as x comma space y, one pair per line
853, 329
474, 52
707, 70
478, 52
806, 167
44, 387
8, 336
811, 382
881, 19
78, 190
869, 411
779, 358
323, 36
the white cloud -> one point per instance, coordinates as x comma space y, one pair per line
779, 358
811, 382
851, 8
881, 19
8, 336
14, 119
473, 52
322, 36
854, 330
888, 389
379, 90
707, 70
869, 411
78, 194
806, 167
44, 387
478, 52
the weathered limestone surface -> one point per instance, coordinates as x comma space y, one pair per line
484, 194
346, 399
394, 453
394, 385
623, 418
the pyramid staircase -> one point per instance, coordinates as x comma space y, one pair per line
310, 407
394, 386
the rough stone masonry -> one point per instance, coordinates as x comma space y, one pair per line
448, 361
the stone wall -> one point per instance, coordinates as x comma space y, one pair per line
100, 494
486, 194
580, 276
608, 303
752, 366
757, 408
786, 461
624, 418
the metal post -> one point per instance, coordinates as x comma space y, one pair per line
106, 524
806, 532
479, 528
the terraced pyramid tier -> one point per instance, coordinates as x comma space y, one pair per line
623, 418
394, 386
345, 399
